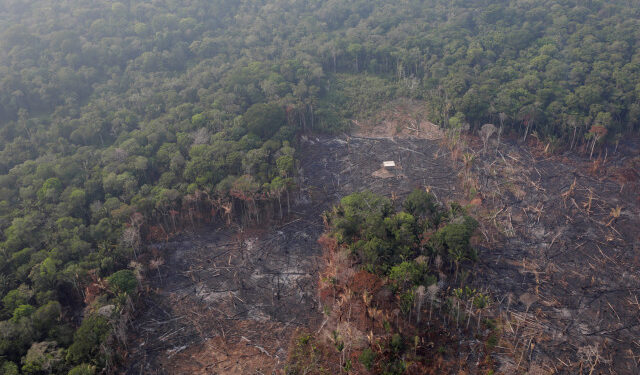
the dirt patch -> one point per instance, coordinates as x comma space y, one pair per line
383, 173
403, 119
341, 166
220, 356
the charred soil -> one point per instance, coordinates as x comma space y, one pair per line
227, 301
562, 256
559, 255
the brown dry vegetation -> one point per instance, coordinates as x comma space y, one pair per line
362, 312
401, 119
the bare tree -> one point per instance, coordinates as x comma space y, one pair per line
502, 116
432, 290
486, 132
420, 294
155, 264
596, 132
201, 136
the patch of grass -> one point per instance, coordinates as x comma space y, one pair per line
473, 192
337, 341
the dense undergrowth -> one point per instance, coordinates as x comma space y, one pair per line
396, 290
389, 242
124, 122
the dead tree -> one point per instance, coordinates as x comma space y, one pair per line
486, 132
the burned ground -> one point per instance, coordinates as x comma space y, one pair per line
560, 259
227, 301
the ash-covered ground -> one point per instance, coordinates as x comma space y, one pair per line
227, 301
563, 258
560, 259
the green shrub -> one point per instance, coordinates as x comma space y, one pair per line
15, 298
22, 311
264, 119
367, 358
83, 369
123, 281
402, 228
360, 214
86, 341
9, 368
420, 204
454, 238
397, 343
43, 357
406, 274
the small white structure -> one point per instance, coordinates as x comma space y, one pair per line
389, 164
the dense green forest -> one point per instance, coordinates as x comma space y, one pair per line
122, 122
386, 240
